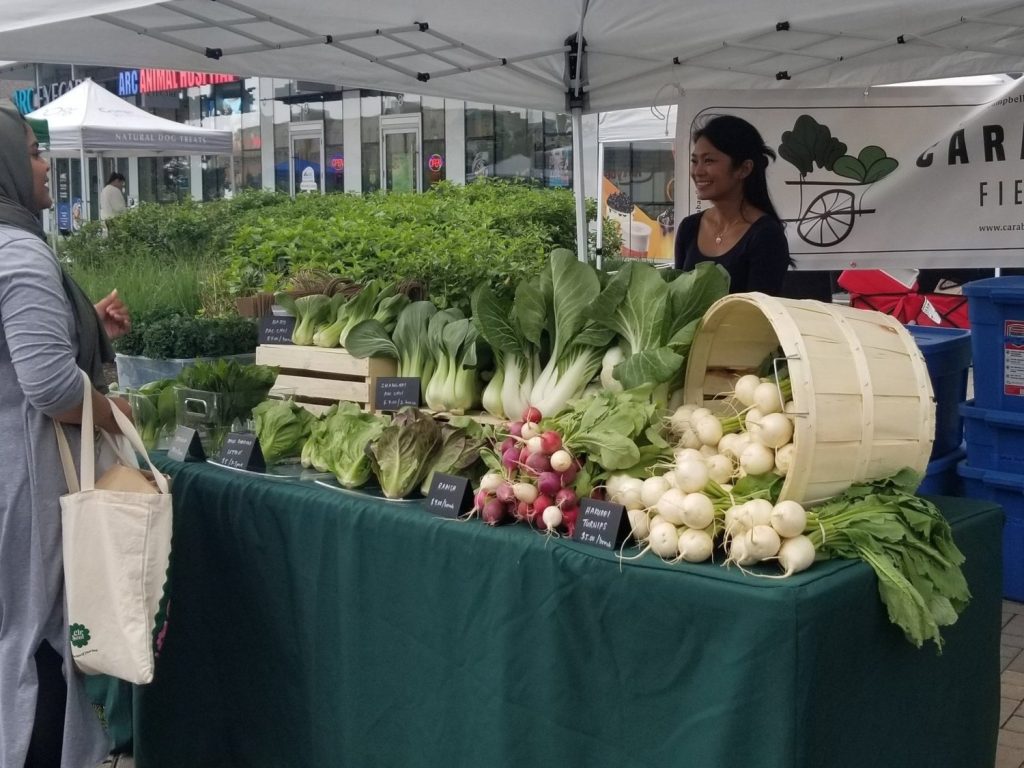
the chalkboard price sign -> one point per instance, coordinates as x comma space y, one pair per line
276, 329
186, 446
241, 450
391, 393
449, 496
601, 524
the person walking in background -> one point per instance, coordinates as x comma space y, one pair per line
48, 331
112, 201
741, 230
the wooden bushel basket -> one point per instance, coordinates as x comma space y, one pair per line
861, 390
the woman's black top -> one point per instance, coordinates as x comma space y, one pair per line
758, 261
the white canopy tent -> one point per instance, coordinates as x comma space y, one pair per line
89, 120
527, 53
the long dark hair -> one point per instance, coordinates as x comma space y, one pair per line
741, 141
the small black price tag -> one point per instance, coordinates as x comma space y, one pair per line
186, 446
241, 450
391, 393
449, 496
276, 329
601, 524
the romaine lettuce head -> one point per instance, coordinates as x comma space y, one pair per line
282, 427
344, 448
404, 452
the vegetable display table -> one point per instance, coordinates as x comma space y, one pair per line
308, 627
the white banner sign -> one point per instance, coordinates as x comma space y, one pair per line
898, 177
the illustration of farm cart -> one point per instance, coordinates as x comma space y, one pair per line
829, 217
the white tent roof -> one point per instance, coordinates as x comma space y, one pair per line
637, 53
90, 118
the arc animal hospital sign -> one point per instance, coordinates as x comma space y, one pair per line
888, 177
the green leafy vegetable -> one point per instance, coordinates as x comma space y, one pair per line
403, 453
338, 441
870, 165
907, 542
310, 312
241, 386
457, 454
282, 427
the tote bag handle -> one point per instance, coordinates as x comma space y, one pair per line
87, 455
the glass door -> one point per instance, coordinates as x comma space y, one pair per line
305, 158
400, 137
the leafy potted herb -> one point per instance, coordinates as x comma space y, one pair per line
161, 344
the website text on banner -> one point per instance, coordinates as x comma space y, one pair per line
908, 177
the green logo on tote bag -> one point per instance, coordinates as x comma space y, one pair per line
79, 635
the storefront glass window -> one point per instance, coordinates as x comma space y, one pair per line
435, 161
334, 147
164, 179
370, 110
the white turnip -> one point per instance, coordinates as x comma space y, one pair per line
788, 518
664, 540
694, 546
757, 459
698, 511
776, 430
639, 523
691, 476
652, 490
670, 506
745, 387
796, 554
767, 397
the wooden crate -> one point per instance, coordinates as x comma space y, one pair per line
322, 376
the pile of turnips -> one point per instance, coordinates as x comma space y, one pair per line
535, 482
702, 498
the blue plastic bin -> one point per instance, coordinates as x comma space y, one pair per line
994, 438
1008, 491
996, 310
947, 353
941, 478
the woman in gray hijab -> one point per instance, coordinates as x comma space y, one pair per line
49, 330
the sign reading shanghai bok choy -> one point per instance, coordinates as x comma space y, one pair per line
890, 177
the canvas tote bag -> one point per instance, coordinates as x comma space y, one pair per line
117, 543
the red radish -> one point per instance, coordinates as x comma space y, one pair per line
508, 443
551, 440
515, 428
569, 522
549, 483
510, 460
542, 502
565, 498
536, 445
532, 414
522, 510
505, 493
494, 512
569, 476
537, 463
480, 499
524, 454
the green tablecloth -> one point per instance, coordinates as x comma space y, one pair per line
308, 628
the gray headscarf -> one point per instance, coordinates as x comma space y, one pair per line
16, 210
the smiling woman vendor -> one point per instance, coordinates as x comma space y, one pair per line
741, 231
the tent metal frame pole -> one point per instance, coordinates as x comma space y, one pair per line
599, 251
85, 187
577, 184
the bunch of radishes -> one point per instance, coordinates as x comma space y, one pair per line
536, 480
